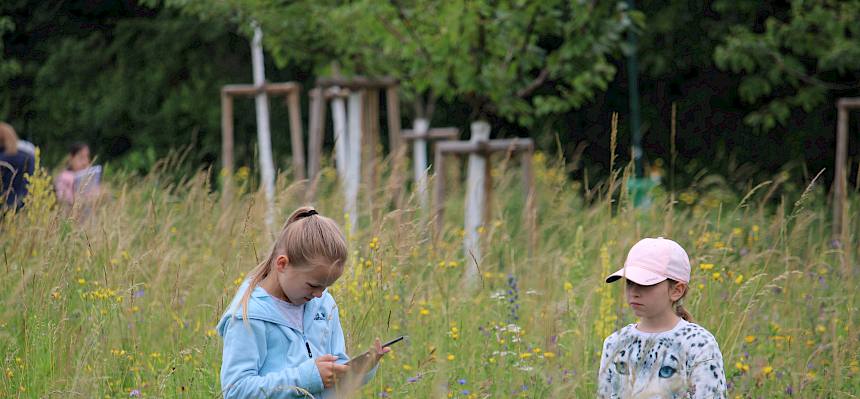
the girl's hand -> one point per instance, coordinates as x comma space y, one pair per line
378, 351
329, 370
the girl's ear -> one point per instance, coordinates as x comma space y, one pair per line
281, 262
677, 291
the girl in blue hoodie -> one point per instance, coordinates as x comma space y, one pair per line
282, 334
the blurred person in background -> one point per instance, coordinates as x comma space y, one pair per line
15, 167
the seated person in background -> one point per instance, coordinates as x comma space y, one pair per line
15, 166
79, 178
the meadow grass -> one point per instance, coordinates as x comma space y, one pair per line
122, 301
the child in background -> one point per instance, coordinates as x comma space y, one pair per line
665, 355
78, 160
282, 333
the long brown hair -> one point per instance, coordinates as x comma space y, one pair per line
8, 139
679, 309
308, 239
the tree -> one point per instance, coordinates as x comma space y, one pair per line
796, 61
513, 59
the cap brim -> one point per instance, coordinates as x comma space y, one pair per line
637, 275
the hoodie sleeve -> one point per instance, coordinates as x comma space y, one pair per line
338, 344
244, 351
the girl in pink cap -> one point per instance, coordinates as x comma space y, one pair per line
665, 355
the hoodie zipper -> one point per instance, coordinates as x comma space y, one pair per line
308, 346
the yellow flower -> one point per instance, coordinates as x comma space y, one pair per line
742, 367
424, 312
820, 329
706, 266
568, 286
82, 281
739, 279
407, 367
717, 276
749, 339
451, 357
525, 355
549, 355
767, 370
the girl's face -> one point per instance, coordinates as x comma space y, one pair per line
649, 301
81, 160
303, 283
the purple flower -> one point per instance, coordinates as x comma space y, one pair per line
383, 394
461, 381
135, 393
139, 293
413, 379
464, 392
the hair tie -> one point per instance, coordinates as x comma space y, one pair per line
309, 213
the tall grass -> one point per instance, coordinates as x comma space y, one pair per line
122, 301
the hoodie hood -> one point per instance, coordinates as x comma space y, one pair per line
261, 306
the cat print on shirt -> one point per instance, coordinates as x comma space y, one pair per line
683, 363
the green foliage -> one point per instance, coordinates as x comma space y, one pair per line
795, 61
9, 68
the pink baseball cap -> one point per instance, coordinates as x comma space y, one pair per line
653, 260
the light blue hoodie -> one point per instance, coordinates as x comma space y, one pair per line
268, 357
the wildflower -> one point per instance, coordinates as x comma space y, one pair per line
739, 279
706, 266
135, 393
767, 370
749, 339
548, 355
451, 357
568, 286
742, 367
461, 381
407, 367
424, 312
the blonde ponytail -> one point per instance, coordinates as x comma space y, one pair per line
683, 313
679, 309
307, 239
